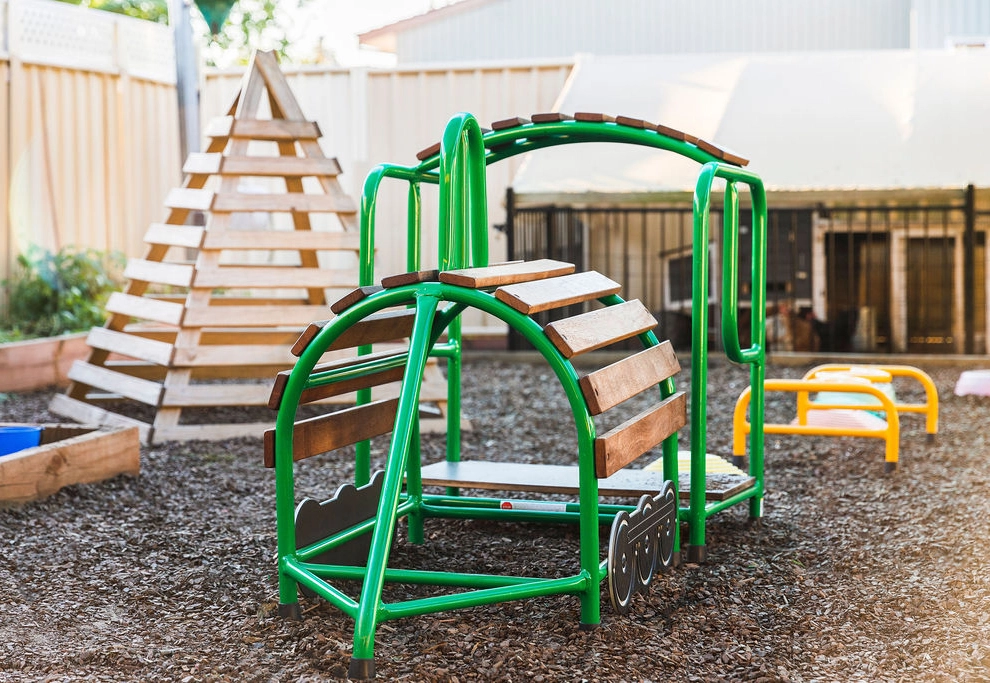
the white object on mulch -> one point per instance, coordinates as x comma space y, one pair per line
973, 382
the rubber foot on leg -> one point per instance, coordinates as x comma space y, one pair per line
290, 611
889, 467
675, 559
588, 627
740, 462
930, 438
697, 554
361, 669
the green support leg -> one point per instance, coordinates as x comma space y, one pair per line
407, 414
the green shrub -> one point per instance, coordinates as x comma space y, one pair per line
57, 293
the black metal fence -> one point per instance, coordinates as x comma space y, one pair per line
883, 279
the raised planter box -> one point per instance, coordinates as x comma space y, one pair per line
38, 363
68, 454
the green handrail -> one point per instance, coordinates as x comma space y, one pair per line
753, 356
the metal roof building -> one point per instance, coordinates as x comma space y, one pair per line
538, 29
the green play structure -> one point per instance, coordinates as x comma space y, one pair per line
348, 538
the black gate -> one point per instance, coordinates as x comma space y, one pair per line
877, 279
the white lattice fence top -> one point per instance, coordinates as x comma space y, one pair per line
3, 28
147, 49
59, 34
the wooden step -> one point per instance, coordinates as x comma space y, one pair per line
129, 345
286, 240
175, 274
296, 316
541, 295
352, 297
280, 277
189, 236
620, 446
563, 479
189, 199
599, 328
145, 308
376, 328
410, 278
281, 166
298, 202
506, 273
233, 355
262, 129
551, 117
613, 384
335, 430
512, 122
387, 374
133, 388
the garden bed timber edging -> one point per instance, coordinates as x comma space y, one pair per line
39, 363
68, 454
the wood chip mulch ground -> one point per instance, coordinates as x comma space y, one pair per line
853, 575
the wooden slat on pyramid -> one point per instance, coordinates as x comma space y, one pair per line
201, 323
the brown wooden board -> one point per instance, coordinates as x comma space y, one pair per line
410, 278
551, 117
592, 117
511, 476
376, 328
506, 273
599, 328
329, 432
620, 446
634, 123
317, 393
541, 295
675, 134
352, 297
430, 151
722, 154
512, 122
613, 384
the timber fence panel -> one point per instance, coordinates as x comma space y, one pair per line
90, 134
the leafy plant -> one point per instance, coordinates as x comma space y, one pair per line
57, 293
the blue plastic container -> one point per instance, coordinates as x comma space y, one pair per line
17, 438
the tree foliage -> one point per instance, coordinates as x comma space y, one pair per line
251, 25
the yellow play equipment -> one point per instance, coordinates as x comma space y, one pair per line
858, 401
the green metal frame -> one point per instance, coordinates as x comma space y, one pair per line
459, 169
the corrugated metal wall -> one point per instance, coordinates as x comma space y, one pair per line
370, 117
942, 21
92, 129
504, 29
524, 29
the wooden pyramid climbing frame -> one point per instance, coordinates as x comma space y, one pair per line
209, 315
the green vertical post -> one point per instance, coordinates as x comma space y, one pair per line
405, 426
